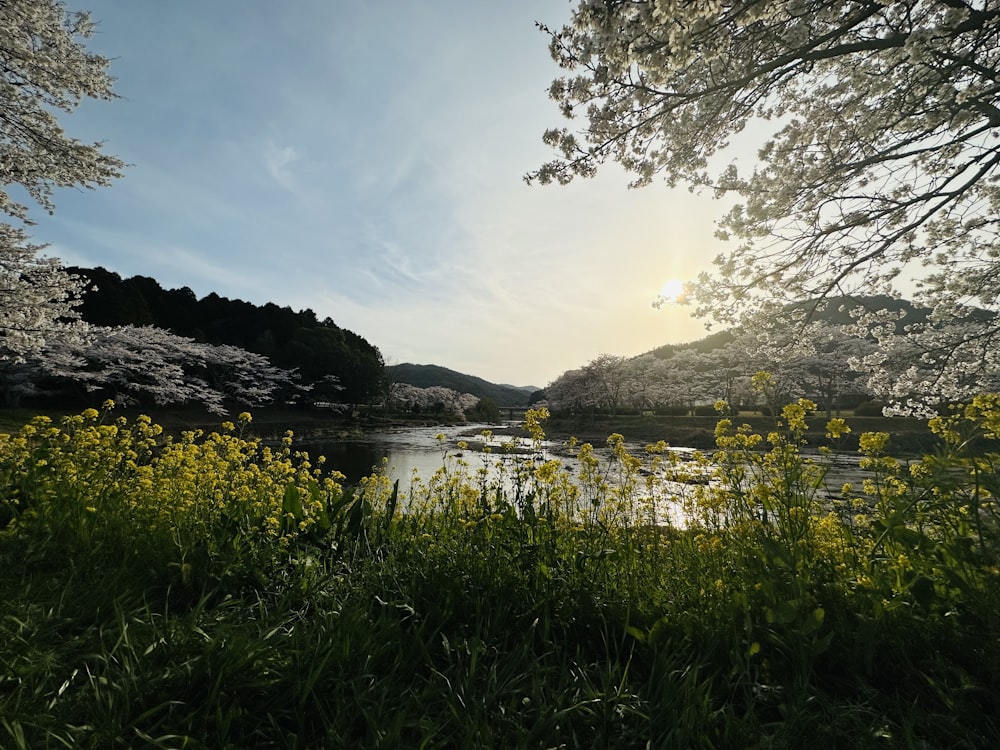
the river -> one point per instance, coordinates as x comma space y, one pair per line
405, 450
409, 451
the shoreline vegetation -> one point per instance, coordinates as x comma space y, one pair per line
909, 436
205, 590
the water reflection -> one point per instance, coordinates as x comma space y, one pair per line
405, 451
409, 451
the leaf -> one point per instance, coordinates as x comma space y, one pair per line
659, 633
784, 613
390, 509
777, 553
359, 518
636, 633
823, 643
322, 518
291, 503
910, 537
814, 621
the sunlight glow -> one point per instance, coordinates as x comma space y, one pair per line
672, 291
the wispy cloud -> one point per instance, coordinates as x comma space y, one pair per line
278, 161
285, 158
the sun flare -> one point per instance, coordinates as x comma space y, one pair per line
672, 291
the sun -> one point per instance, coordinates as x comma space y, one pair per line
672, 291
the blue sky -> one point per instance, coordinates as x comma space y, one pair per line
365, 159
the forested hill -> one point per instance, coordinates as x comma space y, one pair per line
425, 376
836, 312
291, 340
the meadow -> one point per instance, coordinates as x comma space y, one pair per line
204, 590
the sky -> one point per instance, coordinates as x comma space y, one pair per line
366, 160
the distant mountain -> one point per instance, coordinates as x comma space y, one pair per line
836, 312
425, 376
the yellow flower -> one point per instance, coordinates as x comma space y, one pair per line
836, 428
533, 419
795, 414
873, 443
722, 427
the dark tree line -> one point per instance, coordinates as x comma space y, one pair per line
339, 364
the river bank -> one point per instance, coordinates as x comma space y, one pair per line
267, 421
908, 436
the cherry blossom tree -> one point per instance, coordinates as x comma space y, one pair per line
929, 363
645, 377
604, 383
609, 375
829, 370
678, 381
573, 392
820, 360
148, 365
30, 374
37, 297
882, 155
433, 399
45, 70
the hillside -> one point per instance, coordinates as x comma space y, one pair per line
315, 348
425, 376
835, 312
318, 350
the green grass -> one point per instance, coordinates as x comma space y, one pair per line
518, 609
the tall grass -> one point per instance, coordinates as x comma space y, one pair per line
209, 592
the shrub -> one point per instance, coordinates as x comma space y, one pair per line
869, 409
485, 410
195, 507
673, 411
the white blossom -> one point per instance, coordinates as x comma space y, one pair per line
409, 397
883, 153
803, 360
37, 297
142, 365
45, 70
